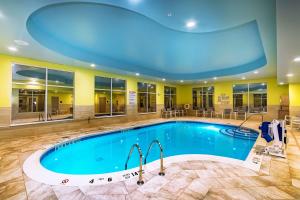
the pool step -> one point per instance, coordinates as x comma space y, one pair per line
238, 133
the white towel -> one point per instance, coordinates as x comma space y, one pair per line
274, 126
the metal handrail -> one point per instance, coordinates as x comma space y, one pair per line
161, 172
262, 119
140, 181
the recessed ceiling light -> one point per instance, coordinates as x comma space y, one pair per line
1, 15
92, 65
163, 79
134, 1
190, 24
281, 83
243, 78
21, 42
256, 72
215, 78
297, 59
12, 49
137, 74
290, 75
181, 81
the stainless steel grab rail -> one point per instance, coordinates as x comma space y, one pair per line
161, 173
254, 114
140, 181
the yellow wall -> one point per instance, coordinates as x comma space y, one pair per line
83, 83
274, 90
294, 90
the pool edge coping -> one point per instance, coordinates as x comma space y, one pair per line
33, 168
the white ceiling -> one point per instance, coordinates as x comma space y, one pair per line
288, 40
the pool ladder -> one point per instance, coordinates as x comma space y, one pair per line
161, 172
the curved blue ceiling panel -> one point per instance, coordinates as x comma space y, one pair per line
126, 40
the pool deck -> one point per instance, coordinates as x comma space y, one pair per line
203, 179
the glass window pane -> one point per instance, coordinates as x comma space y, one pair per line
28, 75
142, 102
102, 83
210, 90
152, 88
118, 103
173, 90
167, 102
257, 97
60, 78
167, 90
118, 84
28, 94
152, 103
60, 103
170, 97
173, 101
28, 103
102, 103
142, 87
240, 97
203, 97
258, 87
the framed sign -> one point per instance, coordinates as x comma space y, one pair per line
132, 98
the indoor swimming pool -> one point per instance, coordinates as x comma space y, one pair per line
106, 153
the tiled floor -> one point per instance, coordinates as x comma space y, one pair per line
183, 180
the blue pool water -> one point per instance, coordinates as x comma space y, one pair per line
108, 153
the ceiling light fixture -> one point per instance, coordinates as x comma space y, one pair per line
181, 81
297, 59
281, 83
137, 74
256, 72
289, 75
1, 15
205, 82
12, 49
243, 78
92, 65
163, 79
215, 78
134, 1
190, 24
21, 42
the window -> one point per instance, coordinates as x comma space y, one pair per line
203, 97
59, 95
257, 97
41, 94
110, 96
146, 97
240, 97
170, 97
251, 97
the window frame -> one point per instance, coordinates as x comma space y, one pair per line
170, 95
248, 96
46, 93
200, 93
147, 97
111, 96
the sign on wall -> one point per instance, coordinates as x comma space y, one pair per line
223, 99
132, 98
